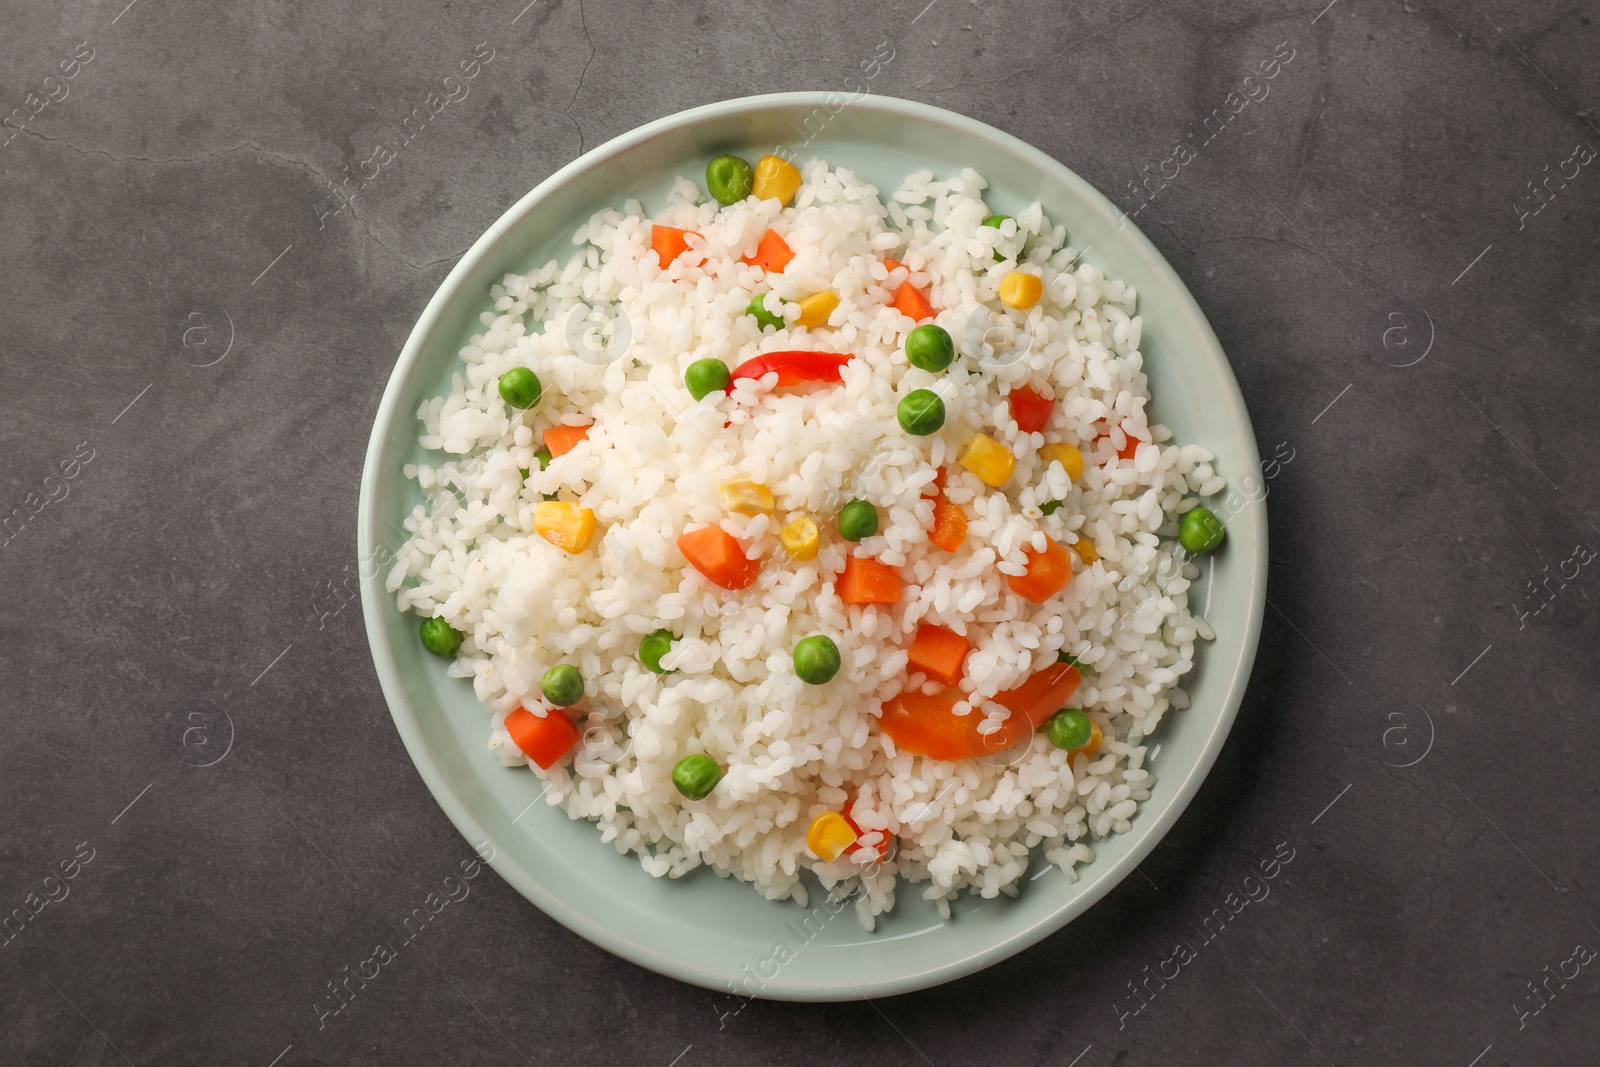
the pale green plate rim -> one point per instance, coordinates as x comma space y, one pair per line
870, 967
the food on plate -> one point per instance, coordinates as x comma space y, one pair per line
854, 551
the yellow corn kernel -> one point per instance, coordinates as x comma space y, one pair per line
989, 460
1021, 291
1086, 551
564, 525
801, 538
775, 179
814, 310
744, 497
829, 836
1070, 458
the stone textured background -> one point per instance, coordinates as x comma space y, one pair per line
1364, 237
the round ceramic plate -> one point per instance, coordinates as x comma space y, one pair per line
719, 932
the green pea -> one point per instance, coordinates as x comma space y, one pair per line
929, 348
1050, 507
707, 376
652, 648
1062, 657
696, 776
728, 178
994, 221
816, 659
562, 685
1200, 531
520, 387
763, 317
1069, 728
858, 520
440, 638
921, 412
525, 472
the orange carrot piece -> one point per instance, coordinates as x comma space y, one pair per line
1048, 573
911, 303
543, 740
882, 848
926, 725
1130, 444
772, 254
866, 581
939, 653
949, 524
563, 439
1034, 701
893, 263
1090, 747
669, 242
716, 554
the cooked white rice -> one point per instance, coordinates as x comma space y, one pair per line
651, 468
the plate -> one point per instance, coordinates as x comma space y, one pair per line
718, 932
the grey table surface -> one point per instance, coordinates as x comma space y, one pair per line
1396, 242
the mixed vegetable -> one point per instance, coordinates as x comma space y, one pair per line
696, 776
936, 723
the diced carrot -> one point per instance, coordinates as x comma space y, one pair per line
717, 555
949, 524
1048, 573
938, 652
1130, 444
1090, 747
908, 299
1030, 409
882, 847
772, 254
563, 439
543, 740
669, 242
1034, 701
866, 581
910, 302
927, 725
1042, 695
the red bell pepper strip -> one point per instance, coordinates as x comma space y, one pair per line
795, 367
1030, 409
